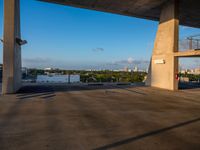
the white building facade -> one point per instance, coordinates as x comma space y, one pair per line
58, 79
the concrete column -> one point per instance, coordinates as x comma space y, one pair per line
164, 65
11, 50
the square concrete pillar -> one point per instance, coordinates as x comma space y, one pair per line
11, 50
164, 65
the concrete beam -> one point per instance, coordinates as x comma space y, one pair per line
188, 53
164, 65
11, 50
147, 9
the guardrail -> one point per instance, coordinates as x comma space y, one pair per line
190, 43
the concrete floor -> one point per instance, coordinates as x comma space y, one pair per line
107, 117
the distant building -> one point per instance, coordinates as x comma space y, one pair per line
51, 74
116, 70
191, 71
183, 71
197, 71
125, 69
48, 69
58, 78
135, 69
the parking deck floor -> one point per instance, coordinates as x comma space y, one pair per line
100, 117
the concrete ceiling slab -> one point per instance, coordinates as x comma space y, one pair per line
147, 9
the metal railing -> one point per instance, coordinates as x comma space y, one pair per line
190, 43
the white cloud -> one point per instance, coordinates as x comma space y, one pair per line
185, 27
130, 60
98, 49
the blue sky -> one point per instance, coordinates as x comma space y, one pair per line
73, 38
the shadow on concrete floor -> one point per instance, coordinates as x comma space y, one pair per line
145, 135
48, 91
27, 92
37, 89
34, 95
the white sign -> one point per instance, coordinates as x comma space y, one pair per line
159, 61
